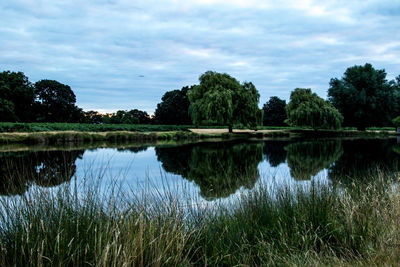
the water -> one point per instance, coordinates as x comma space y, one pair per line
206, 172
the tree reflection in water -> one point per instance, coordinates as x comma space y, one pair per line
307, 159
274, 151
219, 169
20, 170
364, 157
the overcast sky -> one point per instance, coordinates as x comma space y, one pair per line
126, 54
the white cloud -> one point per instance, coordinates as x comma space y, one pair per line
278, 45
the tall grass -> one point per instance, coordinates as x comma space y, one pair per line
313, 225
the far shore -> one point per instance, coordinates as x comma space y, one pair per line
191, 134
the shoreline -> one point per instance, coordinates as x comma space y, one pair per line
67, 137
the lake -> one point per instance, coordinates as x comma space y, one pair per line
206, 172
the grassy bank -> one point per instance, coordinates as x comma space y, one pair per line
7, 127
86, 127
65, 137
90, 137
59, 133
316, 225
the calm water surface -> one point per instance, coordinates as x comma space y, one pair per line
208, 171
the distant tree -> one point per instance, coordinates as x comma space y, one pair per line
220, 99
364, 97
139, 116
116, 118
7, 112
275, 112
174, 108
93, 117
16, 97
56, 102
133, 116
306, 109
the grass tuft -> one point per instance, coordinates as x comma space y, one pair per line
301, 225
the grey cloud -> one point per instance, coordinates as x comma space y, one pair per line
100, 48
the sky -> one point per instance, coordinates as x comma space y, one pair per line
124, 54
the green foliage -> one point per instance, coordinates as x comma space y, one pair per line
364, 97
56, 102
306, 109
396, 121
93, 117
307, 226
275, 112
133, 116
220, 99
174, 108
16, 97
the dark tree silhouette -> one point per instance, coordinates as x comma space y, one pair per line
364, 97
174, 108
56, 102
275, 112
16, 97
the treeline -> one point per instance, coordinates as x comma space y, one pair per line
363, 97
52, 101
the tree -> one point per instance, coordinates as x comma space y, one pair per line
364, 97
174, 108
56, 102
220, 99
16, 97
139, 116
306, 109
7, 112
133, 116
275, 112
93, 117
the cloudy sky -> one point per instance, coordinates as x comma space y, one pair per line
124, 54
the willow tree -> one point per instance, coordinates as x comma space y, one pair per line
220, 99
306, 109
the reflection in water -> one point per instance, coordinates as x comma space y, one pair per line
361, 158
19, 170
219, 169
306, 159
274, 152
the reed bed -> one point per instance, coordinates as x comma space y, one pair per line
319, 225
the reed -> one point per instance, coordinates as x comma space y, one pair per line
78, 223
